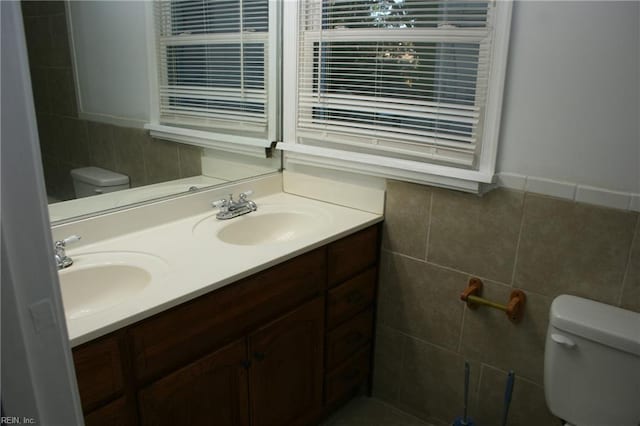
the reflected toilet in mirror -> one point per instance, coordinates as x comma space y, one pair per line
88, 181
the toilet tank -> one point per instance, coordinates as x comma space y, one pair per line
592, 363
95, 180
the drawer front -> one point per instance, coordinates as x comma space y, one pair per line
348, 376
176, 337
98, 371
352, 254
348, 338
351, 297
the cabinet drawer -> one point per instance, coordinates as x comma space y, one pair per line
352, 254
351, 297
98, 371
176, 337
348, 338
348, 376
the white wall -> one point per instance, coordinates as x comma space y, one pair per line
110, 50
571, 107
38, 379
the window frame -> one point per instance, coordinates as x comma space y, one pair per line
235, 143
449, 176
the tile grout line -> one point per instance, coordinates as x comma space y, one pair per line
515, 259
426, 252
403, 356
476, 403
464, 311
448, 268
419, 340
634, 242
399, 411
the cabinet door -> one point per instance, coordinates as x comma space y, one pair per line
98, 371
116, 413
286, 373
211, 391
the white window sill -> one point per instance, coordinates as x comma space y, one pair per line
231, 143
391, 168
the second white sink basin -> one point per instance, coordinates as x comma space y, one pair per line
271, 224
98, 281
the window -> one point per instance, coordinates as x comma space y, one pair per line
215, 77
405, 88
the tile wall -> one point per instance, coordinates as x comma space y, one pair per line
435, 240
68, 142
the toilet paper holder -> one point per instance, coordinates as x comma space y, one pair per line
514, 307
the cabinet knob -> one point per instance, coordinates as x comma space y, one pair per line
246, 364
258, 355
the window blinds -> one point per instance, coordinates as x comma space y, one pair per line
212, 59
402, 78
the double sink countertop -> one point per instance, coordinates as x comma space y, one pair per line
189, 257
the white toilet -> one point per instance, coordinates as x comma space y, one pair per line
592, 363
95, 180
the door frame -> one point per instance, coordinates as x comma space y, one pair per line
37, 373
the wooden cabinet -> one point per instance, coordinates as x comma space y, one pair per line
352, 280
116, 413
286, 368
351, 297
210, 391
348, 338
98, 371
343, 379
182, 334
282, 372
281, 347
352, 254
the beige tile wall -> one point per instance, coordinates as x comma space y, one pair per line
434, 240
68, 142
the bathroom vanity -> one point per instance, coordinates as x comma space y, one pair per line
265, 319
279, 347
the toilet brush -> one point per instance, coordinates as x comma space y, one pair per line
464, 420
507, 397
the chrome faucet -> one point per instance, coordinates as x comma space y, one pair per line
229, 208
62, 260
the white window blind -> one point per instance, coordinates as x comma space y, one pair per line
213, 65
405, 79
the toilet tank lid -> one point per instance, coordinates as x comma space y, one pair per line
606, 324
99, 177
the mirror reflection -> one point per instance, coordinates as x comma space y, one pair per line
92, 99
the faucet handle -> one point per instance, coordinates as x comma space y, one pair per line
68, 240
220, 203
245, 194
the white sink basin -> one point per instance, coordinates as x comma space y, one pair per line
99, 281
271, 224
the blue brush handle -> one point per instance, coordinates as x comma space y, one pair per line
507, 397
466, 390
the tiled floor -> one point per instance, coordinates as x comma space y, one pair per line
363, 411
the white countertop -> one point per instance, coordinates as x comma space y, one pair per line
198, 264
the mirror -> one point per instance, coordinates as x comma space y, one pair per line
90, 73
